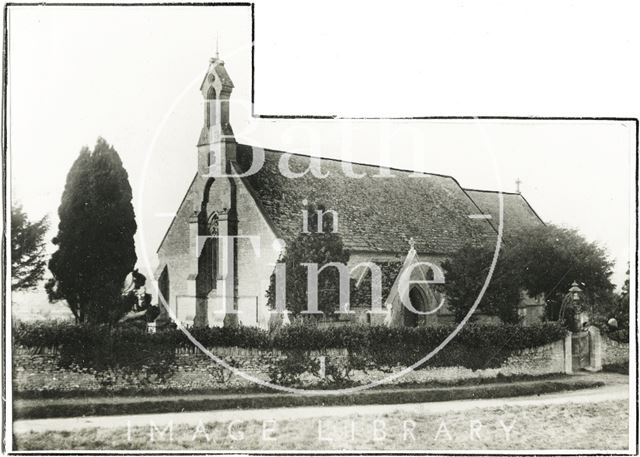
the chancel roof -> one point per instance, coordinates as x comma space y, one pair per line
517, 213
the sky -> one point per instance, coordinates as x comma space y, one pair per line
131, 75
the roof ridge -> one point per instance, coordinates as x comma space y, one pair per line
298, 154
493, 191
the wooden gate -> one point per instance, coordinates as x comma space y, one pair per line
579, 351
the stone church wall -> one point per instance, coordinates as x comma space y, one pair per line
254, 270
175, 252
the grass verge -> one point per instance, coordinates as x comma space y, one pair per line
104, 406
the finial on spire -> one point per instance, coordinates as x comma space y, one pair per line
217, 44
518, 182
412, 244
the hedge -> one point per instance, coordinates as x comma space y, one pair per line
302, 337
354, 338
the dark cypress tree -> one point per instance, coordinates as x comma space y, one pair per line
67, 263
95, 242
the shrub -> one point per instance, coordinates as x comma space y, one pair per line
222, 374
288, 370
50, 335
338, 371
621, 336
125, 353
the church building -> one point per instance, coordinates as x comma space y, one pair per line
241, 191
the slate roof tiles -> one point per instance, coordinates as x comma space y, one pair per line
374, 213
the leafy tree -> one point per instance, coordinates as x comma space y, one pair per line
96, 249
313, 247
621, 312
465, 274
539, 260
618, 308
27, 249
549, 258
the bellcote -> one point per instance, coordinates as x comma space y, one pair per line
216, 90
216, 145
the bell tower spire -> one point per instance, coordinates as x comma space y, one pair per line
216, 145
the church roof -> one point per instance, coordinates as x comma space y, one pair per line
375, 214
517, 211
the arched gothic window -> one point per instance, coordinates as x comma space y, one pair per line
210, 107
209, 256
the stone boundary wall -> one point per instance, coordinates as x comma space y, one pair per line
547, 359
195, 370
614, 352
254, 353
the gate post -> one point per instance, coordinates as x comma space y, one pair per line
568, 361
595, 349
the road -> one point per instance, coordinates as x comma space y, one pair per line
616, 390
